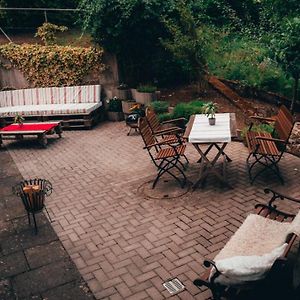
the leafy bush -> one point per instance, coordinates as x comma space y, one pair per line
47, 32
53, 65
147, 88
185, 110
160, 107
165, 117
115, 105
235, 57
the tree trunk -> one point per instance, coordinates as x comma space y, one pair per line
295, 94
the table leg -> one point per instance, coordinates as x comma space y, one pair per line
43, 139
206, 152
209, 166
58, 130
227, 157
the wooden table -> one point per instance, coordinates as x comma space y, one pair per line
39, 129
209, 166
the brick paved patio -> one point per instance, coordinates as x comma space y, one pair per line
126, 244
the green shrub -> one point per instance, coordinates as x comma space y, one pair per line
147, 88
258, 128
236, 57
165, 117
160, 107
115, 105
185, 110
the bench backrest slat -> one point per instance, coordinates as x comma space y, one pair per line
284, 123
51, 95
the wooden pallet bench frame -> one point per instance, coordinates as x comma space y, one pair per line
73, 107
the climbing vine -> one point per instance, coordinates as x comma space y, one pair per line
47, 32
53, 65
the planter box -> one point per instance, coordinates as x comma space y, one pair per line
115, 116
122, 94
127, 105
144, 98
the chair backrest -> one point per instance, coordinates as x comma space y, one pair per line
146, 132
284, 123
152, 119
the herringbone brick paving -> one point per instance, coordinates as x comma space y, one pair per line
126, 244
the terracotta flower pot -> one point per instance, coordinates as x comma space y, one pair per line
212, 121
122, 93
144, 98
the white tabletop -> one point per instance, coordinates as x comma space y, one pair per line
202, 132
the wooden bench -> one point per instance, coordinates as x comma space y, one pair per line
264, 149
73, 106
269, 211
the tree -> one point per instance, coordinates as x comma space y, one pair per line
187, 42
285, 45
131, 30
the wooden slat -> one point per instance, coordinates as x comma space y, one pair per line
273, 215
280, 218
233, 128
264, 212
189, 127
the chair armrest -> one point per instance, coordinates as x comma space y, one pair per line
277, 195
163, 143
168, 130
174, 120
262, 118
270, 139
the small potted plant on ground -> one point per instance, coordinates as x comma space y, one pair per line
145, 94
210, 109
114, 111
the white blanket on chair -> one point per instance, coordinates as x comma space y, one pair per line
252, 250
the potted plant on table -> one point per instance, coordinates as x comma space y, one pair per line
114, 111
19, 119
210, 110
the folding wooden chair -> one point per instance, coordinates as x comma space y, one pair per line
264, 149
165, 128
165, 155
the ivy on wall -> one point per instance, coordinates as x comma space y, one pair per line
45, 66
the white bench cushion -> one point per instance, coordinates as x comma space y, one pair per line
49, 109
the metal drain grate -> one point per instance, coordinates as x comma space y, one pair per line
174, 286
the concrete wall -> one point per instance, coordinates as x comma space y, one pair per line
13, 78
